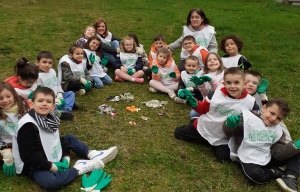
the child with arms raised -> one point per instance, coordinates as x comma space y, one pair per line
214, 109
64, 101
232, 45
72, 72
88, 32
165, 74
42, 155
260, 144
129, 64
93, 51
12, 108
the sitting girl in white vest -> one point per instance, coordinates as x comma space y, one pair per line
72, 73
129, 64
92, 52
12, 108
165, 74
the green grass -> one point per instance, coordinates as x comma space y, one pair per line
149, 157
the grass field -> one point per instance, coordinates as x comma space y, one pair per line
150, 158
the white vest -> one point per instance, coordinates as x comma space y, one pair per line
25, 92
184, 54
258, 100
185, 77
231, 61
96, 70
164, 74
50, 142
107, 39
258, 139
219, 77
203, 37
50, 80
128, 60
77, 69
210, 124
8, 128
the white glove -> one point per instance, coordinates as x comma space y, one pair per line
59, 96
53, 168
7, 156
82, 80
57, 101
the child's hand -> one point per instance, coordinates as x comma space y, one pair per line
182, 93
172, 74
58, 166
190, 99
88, 85
206, 78
131, 71
60, 103
123, 69
233, 121
263, 86
92, 58
297, 144
9, 170
104, 61
154, 69
197, 80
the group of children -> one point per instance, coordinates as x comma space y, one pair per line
221, 90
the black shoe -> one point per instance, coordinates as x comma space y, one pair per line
75, 106
66, 115
278, 172
288, 183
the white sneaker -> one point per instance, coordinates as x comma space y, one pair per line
151, 89
105, 155
81, 91
172, 94
85, 166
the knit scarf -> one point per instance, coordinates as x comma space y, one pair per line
49, 123
13, 109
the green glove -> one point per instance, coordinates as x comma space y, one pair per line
172, 74
197, 80
88, 85
233, 121
183, 92
104, 61
91, 182
9, 170
190, 100
263, 86
30, 95
62, 104
130, 71
66, 161
105, 180
206, 78
92, 58
154, 69
297, 144
61, 167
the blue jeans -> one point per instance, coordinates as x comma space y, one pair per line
100, 81
111, 58
55, 180
193, 113
115, 44
69, 97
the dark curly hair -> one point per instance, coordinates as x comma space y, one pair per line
239, 43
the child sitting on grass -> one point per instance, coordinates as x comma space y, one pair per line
141, 50
129, 64
64, 101
12, 108
94, 64
72, 73
190, 47
259, 143
88, 32
214, 109
42, 155
232, 45
165, 74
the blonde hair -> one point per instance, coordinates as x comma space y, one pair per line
122, 45
86, 29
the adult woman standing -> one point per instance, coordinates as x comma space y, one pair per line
110, 43
197, 25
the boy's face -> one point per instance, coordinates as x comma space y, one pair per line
44, 64
271, 115
234, 85
231, 48
43, 104
191, 66
77, 55
188, 45
252, 83
158, 44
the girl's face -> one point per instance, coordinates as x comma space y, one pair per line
26, 83
94, 44
231, 48
213, 63
162, 59
6, 99
89, 32
101, 28
196, 20
77, 55
128, 45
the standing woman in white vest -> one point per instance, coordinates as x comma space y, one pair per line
197, 25
110, 42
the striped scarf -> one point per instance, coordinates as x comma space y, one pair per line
49, 123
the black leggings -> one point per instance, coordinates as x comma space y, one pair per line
74, 86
